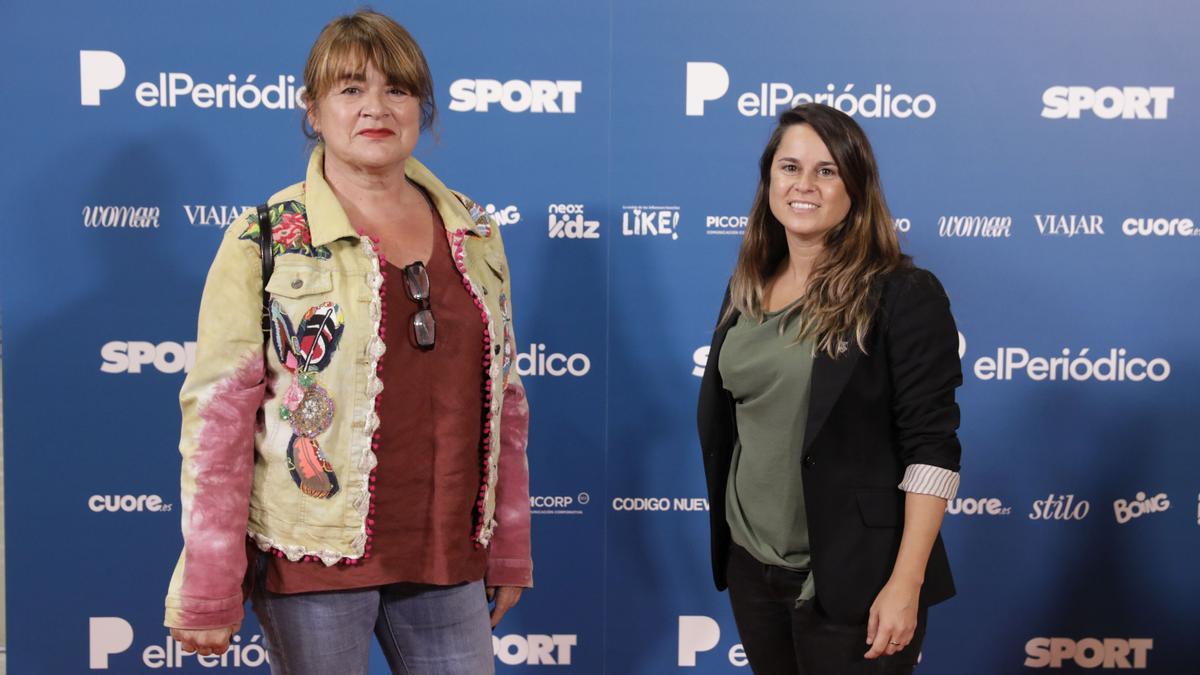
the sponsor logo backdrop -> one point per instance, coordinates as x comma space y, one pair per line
1038, 159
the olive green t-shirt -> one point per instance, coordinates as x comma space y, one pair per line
769, 376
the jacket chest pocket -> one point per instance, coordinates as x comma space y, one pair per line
299, 281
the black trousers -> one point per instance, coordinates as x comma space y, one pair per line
781, 639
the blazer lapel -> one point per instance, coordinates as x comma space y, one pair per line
829, 378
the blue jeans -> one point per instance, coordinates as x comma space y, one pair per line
423, 630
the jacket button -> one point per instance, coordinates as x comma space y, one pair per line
808, 462
297, 283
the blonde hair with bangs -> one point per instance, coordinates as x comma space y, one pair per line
349, 43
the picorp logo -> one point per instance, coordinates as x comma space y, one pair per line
516, 96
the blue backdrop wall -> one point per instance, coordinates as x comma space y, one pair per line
1038, 157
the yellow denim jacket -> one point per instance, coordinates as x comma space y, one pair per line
288, 460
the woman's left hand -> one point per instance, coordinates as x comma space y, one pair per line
504, 597
893, 618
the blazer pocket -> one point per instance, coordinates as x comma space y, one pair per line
881, 508
289, 281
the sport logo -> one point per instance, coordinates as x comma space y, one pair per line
129, 357
650, 221
131, 217
708, 81
1139, 506
566, 221
1069, 225
1107, 103
1052, 652
516, 96
534, 650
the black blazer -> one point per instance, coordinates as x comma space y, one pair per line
870, 416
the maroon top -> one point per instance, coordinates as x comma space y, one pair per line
430, 457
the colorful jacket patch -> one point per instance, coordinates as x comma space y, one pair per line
289, 231
305, 351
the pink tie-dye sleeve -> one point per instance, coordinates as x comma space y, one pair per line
510, 561
219, 401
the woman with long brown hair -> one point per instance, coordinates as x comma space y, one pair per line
827, 416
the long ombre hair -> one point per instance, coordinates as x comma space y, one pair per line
840, 299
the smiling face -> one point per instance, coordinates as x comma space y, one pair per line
806, 195
366, 122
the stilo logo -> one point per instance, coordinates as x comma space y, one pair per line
123, 217
566, 221
1060, 507
515, 96
1052, 652
1159, 227
508, 215
650, 221
127, 503
101, 71
1139, 506
534, 650
109, 636
1052, 225
203, 215
1107, 103
708, 81
129, 357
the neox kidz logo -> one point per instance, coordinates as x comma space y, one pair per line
650, 221
566, 221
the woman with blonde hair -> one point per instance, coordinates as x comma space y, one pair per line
353, 430
827, 417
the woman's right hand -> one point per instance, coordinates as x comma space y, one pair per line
205, 642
